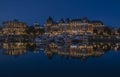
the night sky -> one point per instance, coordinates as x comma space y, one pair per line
31, 11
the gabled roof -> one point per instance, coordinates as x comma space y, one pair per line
97, 21
80, 20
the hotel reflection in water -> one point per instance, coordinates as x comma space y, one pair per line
14, 48
79, 51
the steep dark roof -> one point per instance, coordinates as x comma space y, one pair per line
15, 21
85, 19
50, 20
62, 20
73, 20
97, 21
67, 20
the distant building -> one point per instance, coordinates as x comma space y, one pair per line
74, 26
14, 28
37, 26
115, 31
38, 29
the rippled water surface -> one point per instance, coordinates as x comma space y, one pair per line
64, 60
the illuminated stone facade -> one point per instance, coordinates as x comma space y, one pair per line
74, 26
14, 28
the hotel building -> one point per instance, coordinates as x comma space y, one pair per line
72, 26
14, 28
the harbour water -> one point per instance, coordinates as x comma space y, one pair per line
96, 59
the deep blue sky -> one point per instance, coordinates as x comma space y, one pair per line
32, 11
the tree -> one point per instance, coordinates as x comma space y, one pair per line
39, 31
107, 30
118, 31
95, 31
30, 30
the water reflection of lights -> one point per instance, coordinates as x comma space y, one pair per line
66, 50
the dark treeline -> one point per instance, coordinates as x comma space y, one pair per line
31, 30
